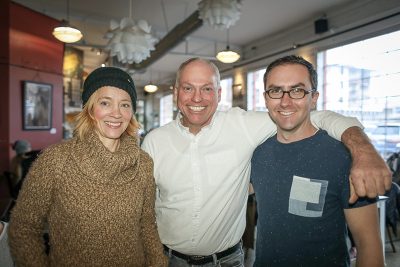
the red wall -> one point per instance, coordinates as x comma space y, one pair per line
4, 81
33, 55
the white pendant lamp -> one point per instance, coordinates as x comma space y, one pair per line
150, 88
130, 41
220, 14
65, 32
227, 55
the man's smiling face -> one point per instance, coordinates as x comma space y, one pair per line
197, 95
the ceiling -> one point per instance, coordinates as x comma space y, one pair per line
259, 18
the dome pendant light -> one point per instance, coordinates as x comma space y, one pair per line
65, 32
150, 87
227, 55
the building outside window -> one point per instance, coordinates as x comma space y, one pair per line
166, 109
255, 85
226, 95
362, 80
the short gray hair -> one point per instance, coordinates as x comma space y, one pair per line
190, 60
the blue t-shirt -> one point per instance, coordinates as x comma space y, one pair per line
301, 190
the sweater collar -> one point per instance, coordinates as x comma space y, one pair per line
104, 166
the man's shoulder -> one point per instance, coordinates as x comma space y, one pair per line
267, 145
238, 111
162, 130
248, 118
157, 135
328, 142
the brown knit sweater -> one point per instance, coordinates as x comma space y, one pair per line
98, 207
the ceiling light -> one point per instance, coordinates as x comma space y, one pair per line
220, 14
65, 32
150, 88
130, 41
227, 55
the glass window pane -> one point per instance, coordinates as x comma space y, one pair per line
255, 89
362, 80
166, 109
226, 95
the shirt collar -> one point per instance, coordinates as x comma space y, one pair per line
185, 129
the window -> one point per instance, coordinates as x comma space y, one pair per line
226, 94
362, 80
166, 109
255, 85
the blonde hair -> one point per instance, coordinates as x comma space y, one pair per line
85, 122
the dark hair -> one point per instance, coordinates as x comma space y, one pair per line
292, 59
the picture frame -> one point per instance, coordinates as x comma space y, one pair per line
37, 105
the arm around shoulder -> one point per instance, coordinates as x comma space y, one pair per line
369, 174
334, 123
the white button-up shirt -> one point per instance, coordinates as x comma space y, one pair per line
202, 180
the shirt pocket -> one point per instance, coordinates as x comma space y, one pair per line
307, 197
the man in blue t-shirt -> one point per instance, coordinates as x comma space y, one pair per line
301, 181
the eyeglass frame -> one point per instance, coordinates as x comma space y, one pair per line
306, 92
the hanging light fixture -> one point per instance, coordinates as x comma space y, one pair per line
65, 32
227, 55
150, 88
130, 41
220, 14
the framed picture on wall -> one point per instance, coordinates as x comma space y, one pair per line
37, 105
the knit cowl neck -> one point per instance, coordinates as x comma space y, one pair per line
101, 165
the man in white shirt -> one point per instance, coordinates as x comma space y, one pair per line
202, 167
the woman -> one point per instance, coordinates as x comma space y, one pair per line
95, 192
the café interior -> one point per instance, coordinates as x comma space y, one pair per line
38, 58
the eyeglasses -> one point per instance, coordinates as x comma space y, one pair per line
294, 93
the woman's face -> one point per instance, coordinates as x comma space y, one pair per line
112, 112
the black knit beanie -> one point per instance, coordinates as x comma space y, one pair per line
109, 76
